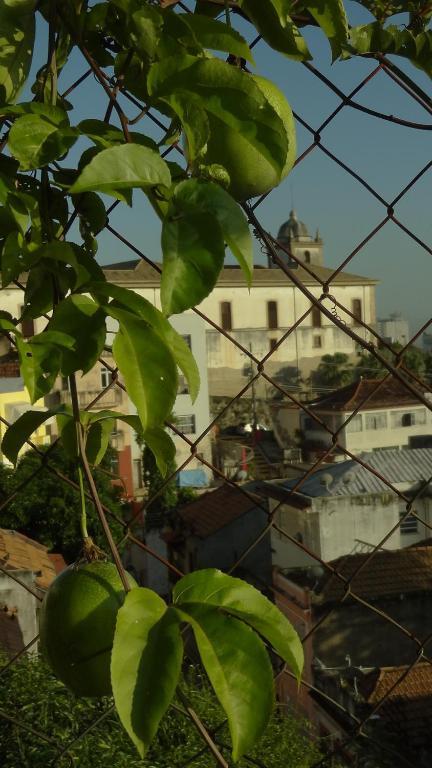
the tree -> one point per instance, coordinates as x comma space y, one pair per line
48, 510
334, 371
415, 360
289, 740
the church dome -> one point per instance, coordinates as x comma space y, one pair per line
293, 228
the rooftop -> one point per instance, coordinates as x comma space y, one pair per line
407, 710
388, 573
216, 509
349, 478
19, 552
391, 393
140, 273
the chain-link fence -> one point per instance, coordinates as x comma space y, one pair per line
349, 712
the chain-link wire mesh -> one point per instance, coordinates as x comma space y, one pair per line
353, 727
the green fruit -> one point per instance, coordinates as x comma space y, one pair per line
251, 174
77, 624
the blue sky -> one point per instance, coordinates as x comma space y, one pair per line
387, 156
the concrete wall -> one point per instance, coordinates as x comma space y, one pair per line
360, 435
14, 596
223, 548
369, 639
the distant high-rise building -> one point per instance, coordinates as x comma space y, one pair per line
394, 329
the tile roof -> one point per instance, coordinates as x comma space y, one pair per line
216, 509
388, 573
349, 478
390, 394
139, 271
19, 552
406, 710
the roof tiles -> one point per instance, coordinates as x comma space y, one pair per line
19, 552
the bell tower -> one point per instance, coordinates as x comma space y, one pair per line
294, 235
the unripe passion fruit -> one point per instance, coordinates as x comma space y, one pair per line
77, 625
251, 174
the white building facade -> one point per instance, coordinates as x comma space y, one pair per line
391, 417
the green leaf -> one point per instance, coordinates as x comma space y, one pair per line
331, 16
373, 38
20, 431
40, 366
55, 115
85, 267
144, 309
68, 432
123, 167
148, 369
83, 319
97, 440
35, 141
227, 93
272, 20
194, 196
239, 670
237, 597
145, 30
17, 31
162, 447
193, 255
91, 211
105, 135
217, 36
12, 262
145, 664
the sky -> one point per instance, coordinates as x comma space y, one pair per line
386, 155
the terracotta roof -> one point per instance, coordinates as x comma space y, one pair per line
58, 562
390, 394
19, 552
407, 710
140, 272
216, 509
388, 573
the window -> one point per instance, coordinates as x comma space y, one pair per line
376, 421
183, 388
226, 319
356, 309
409, 418
105, 377
186, 424
317, 342
272, 343
272, 314
137, 473
64, 383
316, 316
409, 525
187, 338
356, 424
307, 257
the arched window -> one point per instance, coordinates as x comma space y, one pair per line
307, 257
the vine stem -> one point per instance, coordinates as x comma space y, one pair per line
202, 730
91, 485
84, 530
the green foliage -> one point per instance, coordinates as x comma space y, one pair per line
333, 371
222, 612
166, 499
48, 510
51, 708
